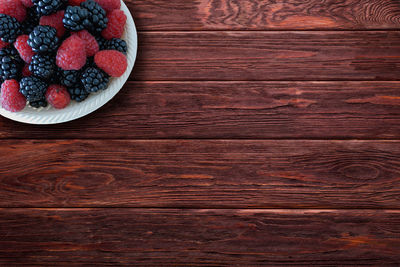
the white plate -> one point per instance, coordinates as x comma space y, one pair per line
74, 110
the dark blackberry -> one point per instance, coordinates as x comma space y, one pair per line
69, 78
11, 52
39, 103
43, 39
9, 68
76, 18
97, 16
94, 80
47, 7
117, 44
101, 41
42, 66
10, 63
77, 93
10, 28
31, 21
32, 88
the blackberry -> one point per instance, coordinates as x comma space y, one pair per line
32, 88
97, 16
94, 80
42, 66
77, 93
11, 52
47, 7
117, 44
76, 18
69, 78
31, 21
9, 68
38, 103
101, 41
43, 39
10, 63
10, 28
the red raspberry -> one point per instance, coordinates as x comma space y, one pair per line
11, 99
71, 55
113, 62
92, 47
24, 50
75, 2
57, 96
109, 5
2, 44
13, 8
25, 71
27, 3
54, 20
116, 24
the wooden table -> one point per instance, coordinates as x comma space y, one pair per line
251, 132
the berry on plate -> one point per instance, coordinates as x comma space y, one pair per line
13, 8
11, 99
43, 39
24, 50
10, 28
94, 80
42, 66
97, 16
58, 96
47, 7
116, 24
92, 47
109, 5
72, 53
116, 44
27, 3
75, 2
32, 88
113, 62
56, 21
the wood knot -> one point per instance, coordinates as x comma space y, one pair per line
360, 172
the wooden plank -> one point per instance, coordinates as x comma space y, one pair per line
199, 237
200, 174
266, 56
235, 110
264, 14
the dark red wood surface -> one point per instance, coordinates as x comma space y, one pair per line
199, 237
254, 132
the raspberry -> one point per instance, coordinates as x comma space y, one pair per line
11, 99
113, 62
92, 47
27, 3
116, 24
3, 44
71, 55
75, 2
13, 8
25, 71
58, 96
56, 21
109, 5
24, 50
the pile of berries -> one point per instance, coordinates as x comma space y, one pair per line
55, 51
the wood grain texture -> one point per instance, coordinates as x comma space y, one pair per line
265, 14
200, 174
238, 56
126, 237
233, 110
